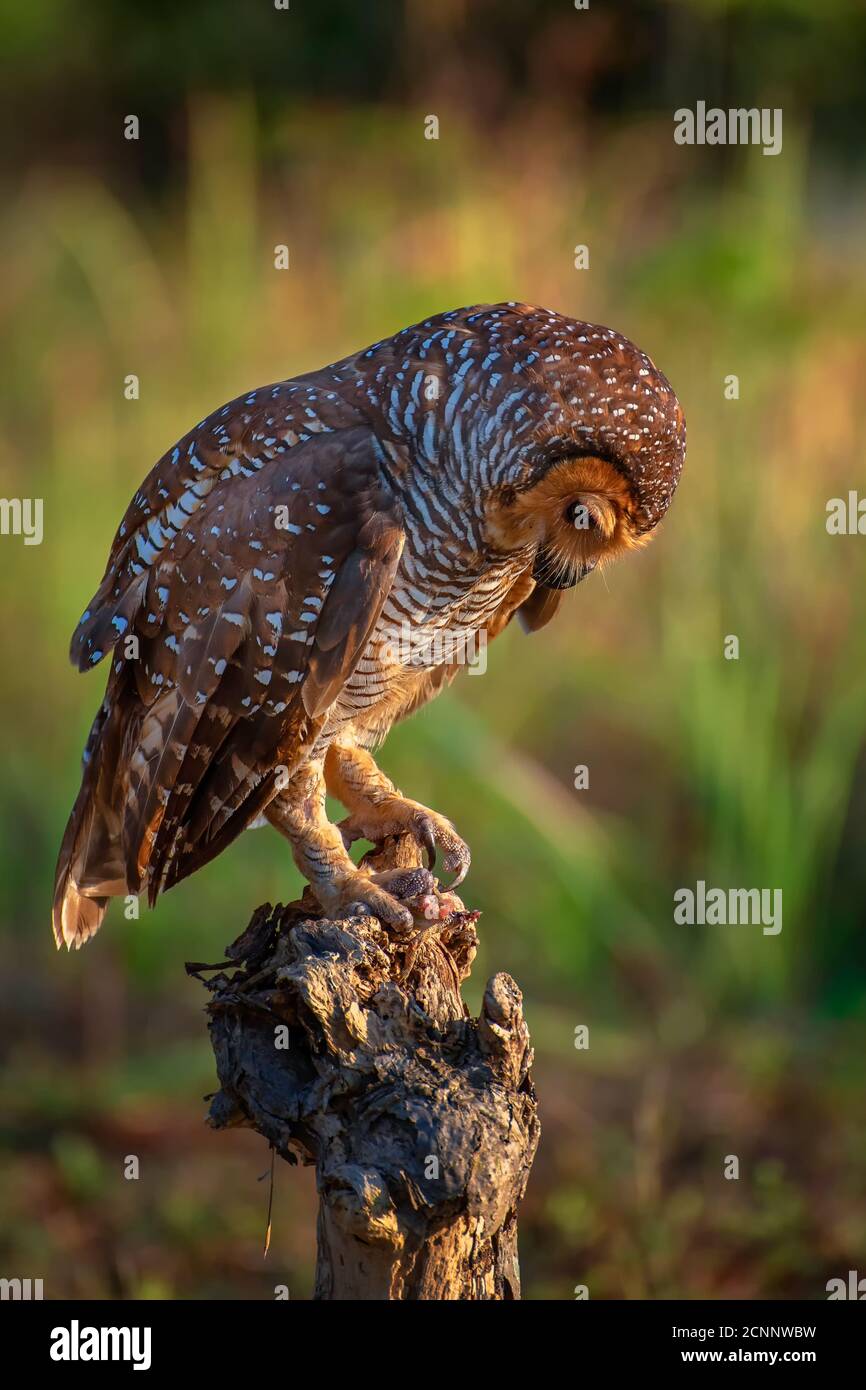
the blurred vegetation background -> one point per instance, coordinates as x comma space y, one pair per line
155, 257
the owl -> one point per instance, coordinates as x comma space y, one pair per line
311, 563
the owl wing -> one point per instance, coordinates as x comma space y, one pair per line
250, 618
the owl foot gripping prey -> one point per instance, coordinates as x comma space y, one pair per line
377, 813
301, 571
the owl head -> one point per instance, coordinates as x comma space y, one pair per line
598, 464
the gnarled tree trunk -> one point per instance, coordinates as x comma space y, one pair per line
350, 1047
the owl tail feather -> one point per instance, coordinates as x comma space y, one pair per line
90, 864
89, 874
76, 917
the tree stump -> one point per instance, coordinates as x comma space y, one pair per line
349, 1046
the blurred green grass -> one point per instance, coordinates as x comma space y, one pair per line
742, 773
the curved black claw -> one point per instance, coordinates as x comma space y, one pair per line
425, 833
457, 862
434, 833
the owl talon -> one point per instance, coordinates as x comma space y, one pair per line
431, 831
425, 834
457, 862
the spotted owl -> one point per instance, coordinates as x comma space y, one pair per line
288, 579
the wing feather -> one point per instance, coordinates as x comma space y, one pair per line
250, 617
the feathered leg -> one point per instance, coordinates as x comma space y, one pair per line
320, 853
378, 809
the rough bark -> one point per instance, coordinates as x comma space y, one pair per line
420, 1120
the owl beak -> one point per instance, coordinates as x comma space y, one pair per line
544, 574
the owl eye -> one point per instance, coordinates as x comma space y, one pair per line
578, 515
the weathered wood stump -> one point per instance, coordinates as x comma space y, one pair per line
349, 1047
